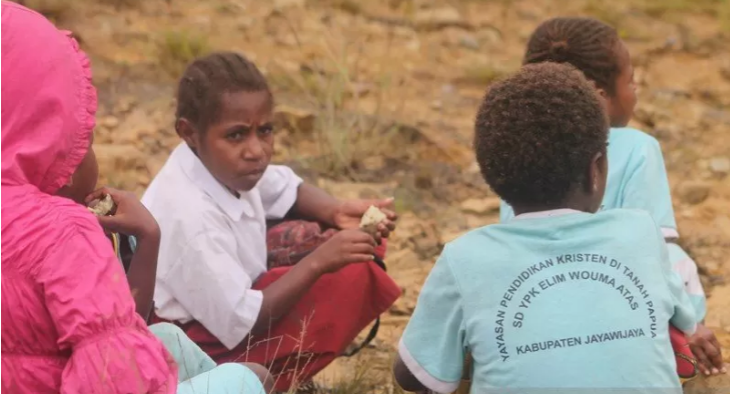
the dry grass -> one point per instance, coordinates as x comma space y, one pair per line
176, 49
605, 12
674, 10
345, 134
55, 10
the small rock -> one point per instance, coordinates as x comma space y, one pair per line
294, 119
469, 42
116, 158
124, 104
480, 206
287, 40
718, 115
436, 104
245, 23
712, 266
400, 308
414, 45
360, 89
491, 36
720, 165
281, 4
109, 122
693, 192
373, 163
448, 89
438, 18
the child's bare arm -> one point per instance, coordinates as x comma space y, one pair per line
130, 217
316, 204
142, 272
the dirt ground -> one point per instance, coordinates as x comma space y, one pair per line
377, 98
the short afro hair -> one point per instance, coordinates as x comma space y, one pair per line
537, 132
585, 43
207, 78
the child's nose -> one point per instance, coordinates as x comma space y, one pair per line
254, 149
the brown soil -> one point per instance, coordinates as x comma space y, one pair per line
361, 80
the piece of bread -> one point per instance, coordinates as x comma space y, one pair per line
370, 220
102, 207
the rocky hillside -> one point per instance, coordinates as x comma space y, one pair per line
377, 98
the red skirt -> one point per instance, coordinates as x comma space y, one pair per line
319, 327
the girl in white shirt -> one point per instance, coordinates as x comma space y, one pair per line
212, 199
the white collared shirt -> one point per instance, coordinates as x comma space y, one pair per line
213, 244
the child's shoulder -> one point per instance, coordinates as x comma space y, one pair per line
624, 222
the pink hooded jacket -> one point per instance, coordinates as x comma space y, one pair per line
68, 318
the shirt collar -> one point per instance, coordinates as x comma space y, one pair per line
545, 214
191, 165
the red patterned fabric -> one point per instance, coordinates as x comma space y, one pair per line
686, 361
291, 241
322, 324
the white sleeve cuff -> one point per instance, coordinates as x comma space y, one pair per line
670, 233
432, 383
241, 323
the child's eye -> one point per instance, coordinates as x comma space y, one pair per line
235, 136
266, 129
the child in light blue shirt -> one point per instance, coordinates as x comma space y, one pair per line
558, 299
637, 176
637, 179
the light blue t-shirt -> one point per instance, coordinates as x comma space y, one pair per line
551, 300
637, 179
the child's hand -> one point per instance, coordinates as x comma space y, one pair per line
348, 215
345, 247
705, 347
130, 216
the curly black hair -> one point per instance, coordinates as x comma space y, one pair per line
537, 132
586, 43
207, 78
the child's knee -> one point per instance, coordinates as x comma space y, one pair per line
170, 335
165, 329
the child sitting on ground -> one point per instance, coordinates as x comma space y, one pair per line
69, 320
637, 177
560, 297
212, 200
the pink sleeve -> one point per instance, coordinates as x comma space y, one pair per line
88, 297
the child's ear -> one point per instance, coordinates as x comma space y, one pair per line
597, 173
187, 132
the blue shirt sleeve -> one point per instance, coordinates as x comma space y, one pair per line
646, 186
433, 344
